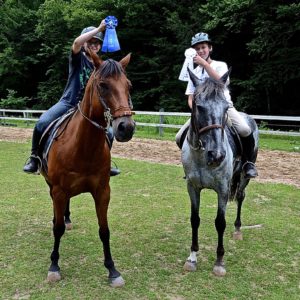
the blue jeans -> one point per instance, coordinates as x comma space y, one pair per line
51, 114
46, 118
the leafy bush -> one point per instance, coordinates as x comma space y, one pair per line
12, 101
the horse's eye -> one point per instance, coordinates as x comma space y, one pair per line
103, 87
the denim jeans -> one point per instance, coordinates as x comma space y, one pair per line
51, 114
46, 118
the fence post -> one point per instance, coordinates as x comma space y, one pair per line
25, 115
161, 121
3, 120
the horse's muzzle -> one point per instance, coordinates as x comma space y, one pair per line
214, 158
124, 128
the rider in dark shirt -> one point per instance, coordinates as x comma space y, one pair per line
80, 68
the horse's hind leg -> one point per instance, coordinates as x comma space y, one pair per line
240, 196
68, 221
220, 224
191, 262
59, 205
101, 202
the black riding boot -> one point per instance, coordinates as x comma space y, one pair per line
32, 165
248, 159
113, 171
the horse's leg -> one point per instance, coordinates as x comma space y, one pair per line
59, 205
68, 222
191, 262
220, 224
240, 196
102, 198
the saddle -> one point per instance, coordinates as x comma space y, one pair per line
51, 134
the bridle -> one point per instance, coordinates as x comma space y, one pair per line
121, 111
199, 131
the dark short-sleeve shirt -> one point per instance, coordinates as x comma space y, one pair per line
80, 69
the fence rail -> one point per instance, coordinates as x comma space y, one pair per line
28, 115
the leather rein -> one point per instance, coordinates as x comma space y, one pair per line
122, 111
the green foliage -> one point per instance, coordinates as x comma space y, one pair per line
13, 102
18, 47
255, 37
264, 51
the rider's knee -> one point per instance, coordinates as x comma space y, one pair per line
244, 131
41, 125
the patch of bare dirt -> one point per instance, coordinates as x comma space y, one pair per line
273, 166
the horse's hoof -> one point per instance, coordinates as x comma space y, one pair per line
117, 282
69, 226
190, 266
237, 235
219, 271
53, 276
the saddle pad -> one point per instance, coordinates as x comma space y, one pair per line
49, 135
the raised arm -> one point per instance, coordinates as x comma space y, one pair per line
83, 38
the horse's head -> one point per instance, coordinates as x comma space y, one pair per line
113, 91
209, 117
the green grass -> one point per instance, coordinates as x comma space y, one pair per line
150, 239
283, 143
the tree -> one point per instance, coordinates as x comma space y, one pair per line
18, 47
259, 39
263, 47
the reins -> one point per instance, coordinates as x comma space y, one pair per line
91, 121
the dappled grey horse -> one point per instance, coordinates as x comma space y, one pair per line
211, 159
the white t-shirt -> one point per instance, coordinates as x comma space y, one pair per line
220, 67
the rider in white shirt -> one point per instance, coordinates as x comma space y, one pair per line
206, 67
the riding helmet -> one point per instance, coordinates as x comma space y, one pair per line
200, 38
99, 35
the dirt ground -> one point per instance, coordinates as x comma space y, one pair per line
273, 166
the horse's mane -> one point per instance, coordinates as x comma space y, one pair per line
110, 68
210, 88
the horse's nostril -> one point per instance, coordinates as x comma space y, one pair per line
215, 157
121, 126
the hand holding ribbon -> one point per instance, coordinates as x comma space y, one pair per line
111, 43
188, 63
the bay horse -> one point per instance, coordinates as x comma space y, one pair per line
79, 158
211, 159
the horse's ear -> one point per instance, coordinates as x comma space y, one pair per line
226, 75
96, 59
125, 61
193, 77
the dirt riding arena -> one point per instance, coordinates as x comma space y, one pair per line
273, 166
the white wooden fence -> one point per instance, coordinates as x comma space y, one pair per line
33, 115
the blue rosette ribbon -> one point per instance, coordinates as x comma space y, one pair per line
110, 43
